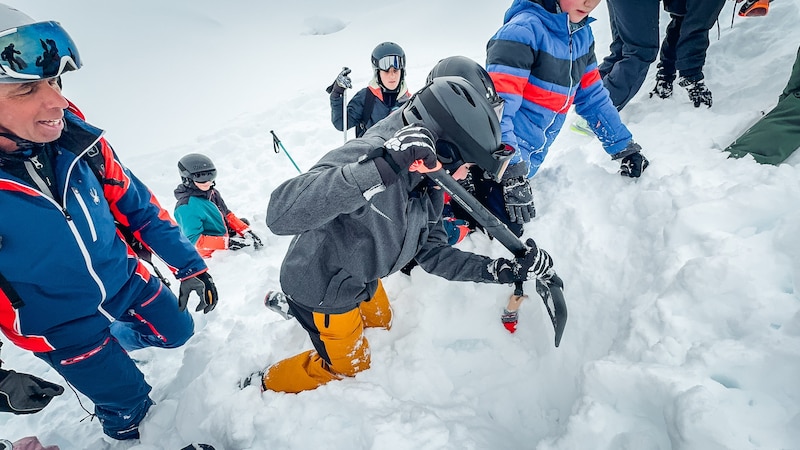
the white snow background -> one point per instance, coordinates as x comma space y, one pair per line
682, 286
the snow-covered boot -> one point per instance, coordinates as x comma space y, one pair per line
698, 92
253, 378
276, 301
663, 87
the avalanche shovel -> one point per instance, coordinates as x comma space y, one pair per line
550, 290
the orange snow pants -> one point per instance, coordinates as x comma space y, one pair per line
340, 348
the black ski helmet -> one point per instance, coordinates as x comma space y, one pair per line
387, 55
463, 119
461, 66
197, 167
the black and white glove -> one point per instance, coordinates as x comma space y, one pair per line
341, 83
518, 197
412, 145
237, 243
535, 263
257, 244
21, 393
204, 286
633, 162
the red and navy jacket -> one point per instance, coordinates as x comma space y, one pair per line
541, 66
67, 272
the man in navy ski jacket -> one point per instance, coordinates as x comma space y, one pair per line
71, 290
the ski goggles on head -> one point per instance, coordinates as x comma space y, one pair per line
37, 51
205, 176
387, 62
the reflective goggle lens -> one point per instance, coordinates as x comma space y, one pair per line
204, 177
387, 62
37, 51
498, 106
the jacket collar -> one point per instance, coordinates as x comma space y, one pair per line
78, 135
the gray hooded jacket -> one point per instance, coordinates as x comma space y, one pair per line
352, 230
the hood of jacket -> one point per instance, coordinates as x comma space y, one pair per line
184, 192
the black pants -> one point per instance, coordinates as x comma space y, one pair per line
686, 40
634, 46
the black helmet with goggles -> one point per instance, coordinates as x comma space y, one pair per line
466, 125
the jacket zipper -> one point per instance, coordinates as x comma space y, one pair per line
85, 213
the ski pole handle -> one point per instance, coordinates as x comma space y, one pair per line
276, 144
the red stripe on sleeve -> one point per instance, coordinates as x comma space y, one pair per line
590, 78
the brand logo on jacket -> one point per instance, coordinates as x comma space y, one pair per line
95, 197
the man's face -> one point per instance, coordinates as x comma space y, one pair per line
32, 111
578, 9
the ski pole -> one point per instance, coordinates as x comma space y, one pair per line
551, 290
277, 145
344, 113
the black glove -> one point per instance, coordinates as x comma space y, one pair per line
518, 197
633, 161
409, 144
237, 243
503, 270
203, 284
21, 393
633, 165
341, 83
536, 263
257, 244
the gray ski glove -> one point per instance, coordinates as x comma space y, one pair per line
341, 83
410, 149
21, 393
204, 286
518, 196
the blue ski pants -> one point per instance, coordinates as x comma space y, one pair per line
101, 369
686, 39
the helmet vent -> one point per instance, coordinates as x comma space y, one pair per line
459, 90
416, 113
